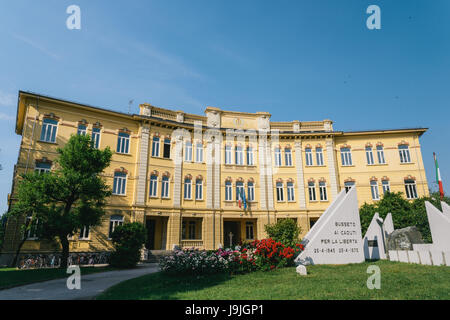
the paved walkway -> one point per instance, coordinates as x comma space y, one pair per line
91, 285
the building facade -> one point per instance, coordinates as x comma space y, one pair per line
185, 176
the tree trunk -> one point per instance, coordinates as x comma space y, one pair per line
16, 257
65, 251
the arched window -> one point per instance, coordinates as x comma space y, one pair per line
187, 188
165, 187
290, 191
288, 157
280, 192
198, 189
251, 191
153, 185
228, 191
308, 157
48, 133
239, 190
319, 156
346, 157
369, 155
120, 183
410, 189
155, 147
403, 150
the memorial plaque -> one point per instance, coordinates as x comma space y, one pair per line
372, 243
336, 237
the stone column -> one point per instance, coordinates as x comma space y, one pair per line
269, 178
177, 179
209, 175
216, 163
142, 167
262, 174
300, 176
332, 167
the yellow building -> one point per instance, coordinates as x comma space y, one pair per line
181, 174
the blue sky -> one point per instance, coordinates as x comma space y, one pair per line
305, 60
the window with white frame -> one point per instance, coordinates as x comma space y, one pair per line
348, 185
380, 154
369, 155
251, 191
32, 226
312, 191
280, 192
249, 234
308, 157
84, 233
82, 130
290, 191
166, 151
250, 161
239, 190
227, 154
114, 221
165, 187
199, 152
323, 191
288, 157
120, 182
277, 157
346, 157
42, 167
199, 189
404, 153
386, 186
187, 189
153, 186
239, 155
49, 127
374, 190
155, 147
228, 191
96, 137
123, 143
188, 151
410, 188
319, 156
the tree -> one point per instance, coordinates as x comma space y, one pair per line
67, 199
3, 220
285, 231
404, 213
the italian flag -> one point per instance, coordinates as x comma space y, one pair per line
438, 177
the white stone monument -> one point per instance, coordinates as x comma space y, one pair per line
374, 241
445, 208
439, 227
336, 237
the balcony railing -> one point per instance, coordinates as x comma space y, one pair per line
192, 244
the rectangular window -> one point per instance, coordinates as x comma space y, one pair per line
188, 152
48, 133
155, 147
120, 182
348, 185
250, 161
191, 230
123, 143
153, 186
114, 221
198, 189
165, 188
312, 191
380, 154
369, 156
288, 157
183, 230
319, 156
277, 157
32, 230
42, 167
280, 193
374, 190
410, 188
346, 157
323, 191
290, 191
96, 137
249, 235
239, 155
199, 153
166, 151
187, 189
227, 154
228, 191
404, 154
251, 191
386, 186
308, 157
239, 191
84, 233
82, 130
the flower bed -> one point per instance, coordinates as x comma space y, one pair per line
265, 254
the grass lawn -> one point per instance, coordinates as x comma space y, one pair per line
398, 281
11, 277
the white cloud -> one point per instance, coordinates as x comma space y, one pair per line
6, 99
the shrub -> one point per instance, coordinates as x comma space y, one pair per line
127, 240
285, 231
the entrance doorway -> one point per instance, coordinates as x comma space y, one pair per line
156, 233
150, 244
231, 233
